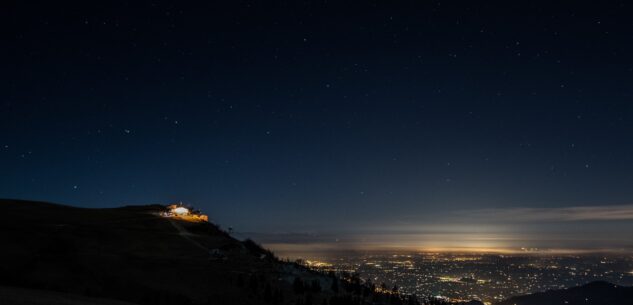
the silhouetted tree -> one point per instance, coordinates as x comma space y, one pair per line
278, 297
268, 293
252, 284
413, 300
298, 286
240, 280
334, 286
394, 289
344, 300
315, 286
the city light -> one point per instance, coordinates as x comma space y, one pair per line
486, 277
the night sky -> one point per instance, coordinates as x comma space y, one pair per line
411, 124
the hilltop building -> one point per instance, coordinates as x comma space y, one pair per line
185, 213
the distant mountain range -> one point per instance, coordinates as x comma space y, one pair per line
60, 255
595, 293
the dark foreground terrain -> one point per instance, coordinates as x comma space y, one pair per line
131, 254
596, 293
60, 255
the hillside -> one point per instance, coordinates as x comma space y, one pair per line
22, 296
131, 254
596, 293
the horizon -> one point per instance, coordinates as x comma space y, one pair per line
310, 245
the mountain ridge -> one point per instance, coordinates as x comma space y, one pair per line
594, 293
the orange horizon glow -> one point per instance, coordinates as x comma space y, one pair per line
320, 248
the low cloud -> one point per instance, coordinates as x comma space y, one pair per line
561, 229
584, 213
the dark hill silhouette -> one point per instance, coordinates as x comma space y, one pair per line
133, 255
595, 293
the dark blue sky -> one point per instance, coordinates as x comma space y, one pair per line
319, 117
